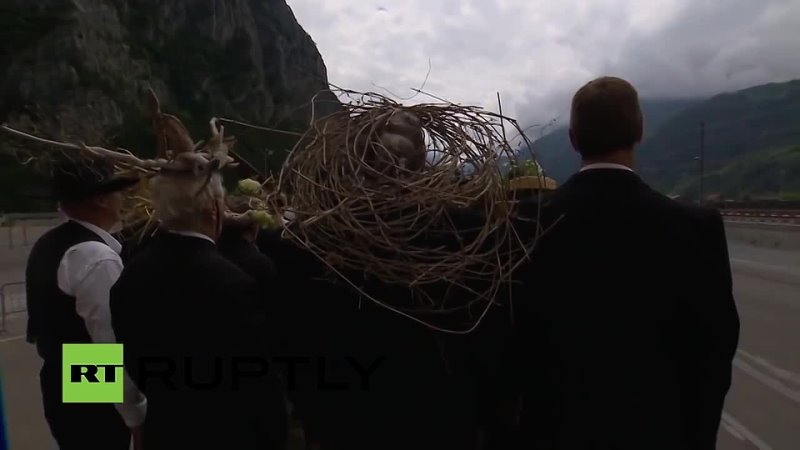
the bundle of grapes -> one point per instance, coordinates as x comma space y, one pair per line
529, 177
248, 205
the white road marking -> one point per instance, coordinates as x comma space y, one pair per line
729, 422
757, 263
12, 339
776, 371
732, 431
785, 270
767, 380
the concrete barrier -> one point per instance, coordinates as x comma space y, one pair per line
11, 217
782, 236
17, 227
12, 301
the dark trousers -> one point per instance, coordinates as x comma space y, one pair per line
79, 426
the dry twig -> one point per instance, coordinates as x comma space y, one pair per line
380, 192
361, 210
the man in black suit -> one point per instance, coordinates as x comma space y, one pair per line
180, 304
421, 391
627, 322
237, 242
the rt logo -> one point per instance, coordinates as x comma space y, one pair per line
92, 373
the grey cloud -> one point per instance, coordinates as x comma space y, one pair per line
538, 52
709, 47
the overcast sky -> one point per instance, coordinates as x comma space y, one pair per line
536, 53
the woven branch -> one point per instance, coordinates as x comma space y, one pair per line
379, 192
363, 209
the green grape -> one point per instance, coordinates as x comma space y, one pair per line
263, 218
531, 168
249, 187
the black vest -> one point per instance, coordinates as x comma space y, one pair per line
52, 316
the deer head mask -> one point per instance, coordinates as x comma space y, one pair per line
184, 156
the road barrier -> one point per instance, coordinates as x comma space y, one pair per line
776, 235
24, 221
10, 303
12, 217
782, 216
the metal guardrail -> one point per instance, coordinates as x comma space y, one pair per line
761, 211
783, 216
12, 217
7, 305
23, 221
756, 204
751, 225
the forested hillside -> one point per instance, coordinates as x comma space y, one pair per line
743, 132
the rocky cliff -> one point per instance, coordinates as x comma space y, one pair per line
78, 69
90, 60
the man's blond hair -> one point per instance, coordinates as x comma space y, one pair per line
183, 202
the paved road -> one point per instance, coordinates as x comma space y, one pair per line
763, 408
762, 411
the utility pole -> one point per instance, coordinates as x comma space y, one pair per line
702, 158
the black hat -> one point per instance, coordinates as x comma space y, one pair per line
75, 180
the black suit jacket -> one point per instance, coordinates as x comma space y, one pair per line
180, 301
246, 256
628, 325
420, 394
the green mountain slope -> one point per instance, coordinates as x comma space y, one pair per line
750, 143
740, 128
772, 174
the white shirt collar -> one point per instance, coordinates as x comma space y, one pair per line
193, 234
104, 235
605, 166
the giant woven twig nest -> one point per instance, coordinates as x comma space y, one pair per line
378, 188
